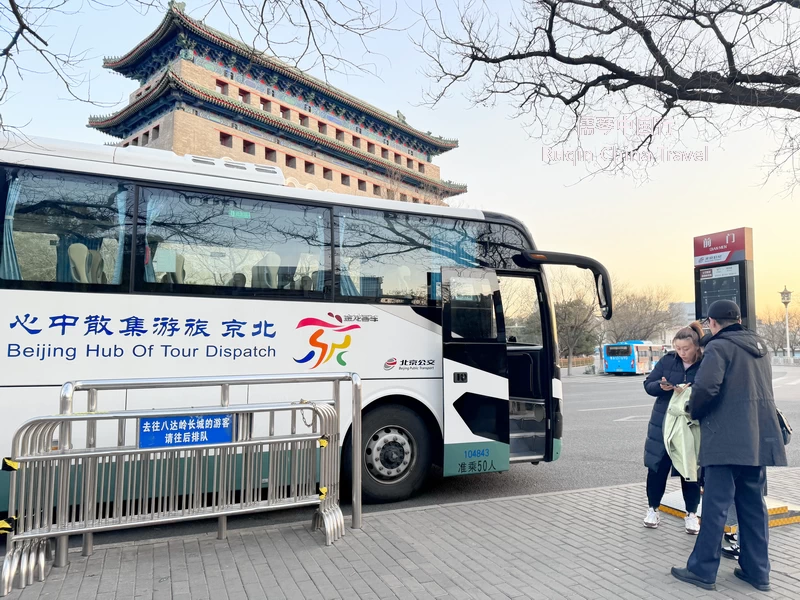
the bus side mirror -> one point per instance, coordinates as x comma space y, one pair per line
535, 258
602, 300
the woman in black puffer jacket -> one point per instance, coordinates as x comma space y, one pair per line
677, 367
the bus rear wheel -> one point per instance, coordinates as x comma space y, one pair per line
395, 454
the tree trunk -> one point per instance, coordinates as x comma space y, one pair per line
569, 362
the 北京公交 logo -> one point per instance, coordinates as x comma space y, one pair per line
390, 364
321, 349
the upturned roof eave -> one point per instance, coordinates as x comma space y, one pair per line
118, 64
172, 80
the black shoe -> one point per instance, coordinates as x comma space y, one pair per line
731, 551
761, 587
731, 538
687, 576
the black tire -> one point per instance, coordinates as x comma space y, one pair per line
385, 421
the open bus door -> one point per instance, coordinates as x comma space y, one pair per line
477, 405
476, 408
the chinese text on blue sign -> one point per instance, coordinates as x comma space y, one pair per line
163, 432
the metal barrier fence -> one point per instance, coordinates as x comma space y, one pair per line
217, 468
577, 361
785, 361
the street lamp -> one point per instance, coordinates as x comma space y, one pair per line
786, 298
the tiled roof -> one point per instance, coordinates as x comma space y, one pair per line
171, 80
176, 18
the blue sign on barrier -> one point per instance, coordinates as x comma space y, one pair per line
176, 432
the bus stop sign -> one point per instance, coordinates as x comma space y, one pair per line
723, 270
724, 247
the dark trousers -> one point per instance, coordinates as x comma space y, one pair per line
657, 483
745, 487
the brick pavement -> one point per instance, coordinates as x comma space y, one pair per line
583, 544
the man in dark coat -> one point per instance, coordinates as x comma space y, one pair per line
732, 398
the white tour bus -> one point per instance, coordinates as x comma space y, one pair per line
135, 262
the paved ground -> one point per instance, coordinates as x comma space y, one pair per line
580, 544
605, 423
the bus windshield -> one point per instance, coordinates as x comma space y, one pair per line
622, 350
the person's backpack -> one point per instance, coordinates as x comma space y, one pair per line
786, 429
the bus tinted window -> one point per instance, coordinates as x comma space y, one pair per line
521, 310
618, 350
472, 312
212, 240
497, 245
64, 228
397, 257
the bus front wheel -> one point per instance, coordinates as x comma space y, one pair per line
396, 454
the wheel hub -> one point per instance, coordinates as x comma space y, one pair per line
389, 454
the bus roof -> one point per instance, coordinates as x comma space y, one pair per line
164, 166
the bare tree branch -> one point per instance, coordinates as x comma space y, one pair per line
306, 34
557, 60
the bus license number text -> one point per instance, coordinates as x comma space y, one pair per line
482, 453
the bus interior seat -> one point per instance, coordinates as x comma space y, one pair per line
177, 276
95, 267
238, 280
265, 272
180, 269
78, 257
307, 282
306, 273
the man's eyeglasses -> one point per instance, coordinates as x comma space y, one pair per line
704, 323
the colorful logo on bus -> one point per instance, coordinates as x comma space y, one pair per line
335, 343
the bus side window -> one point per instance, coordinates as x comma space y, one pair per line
236, 244
63, 228
398, 258
472, 314
521, 309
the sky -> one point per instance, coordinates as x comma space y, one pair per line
642, 232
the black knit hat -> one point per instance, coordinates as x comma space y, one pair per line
724, 310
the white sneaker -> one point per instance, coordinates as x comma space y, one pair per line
652, 519
692, 524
